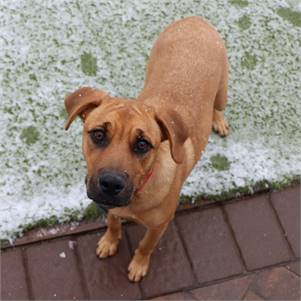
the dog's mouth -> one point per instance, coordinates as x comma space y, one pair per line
110, 203
106, 207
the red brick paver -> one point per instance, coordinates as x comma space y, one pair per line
106, 278
258, 233
233, 289
169, 259
209, 244
294, 267
287, 205
251, 296
13, 278
243, 250
50, 265
277, 284
176, 296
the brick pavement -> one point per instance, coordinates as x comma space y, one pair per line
244, 249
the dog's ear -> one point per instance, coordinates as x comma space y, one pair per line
81, 102
173, 128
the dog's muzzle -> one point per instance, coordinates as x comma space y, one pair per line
110, 189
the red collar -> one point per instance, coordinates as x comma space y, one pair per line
145, 179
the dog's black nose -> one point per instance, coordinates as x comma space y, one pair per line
112, 183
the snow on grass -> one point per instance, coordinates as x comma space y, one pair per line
49, 48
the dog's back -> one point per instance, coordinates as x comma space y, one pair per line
185, 70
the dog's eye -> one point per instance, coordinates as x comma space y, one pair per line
98, 137
142, 146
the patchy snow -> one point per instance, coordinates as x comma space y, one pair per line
62, 255
71, 244
49, 48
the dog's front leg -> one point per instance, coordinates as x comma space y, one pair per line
108, 244
139, 265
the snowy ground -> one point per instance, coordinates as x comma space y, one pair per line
49, 48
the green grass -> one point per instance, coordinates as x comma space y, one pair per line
244, 22
220, 162
291, 16
30, 135
239, 3
91, 212
88, 64
249, 61
33, 77
260, 186
42, 223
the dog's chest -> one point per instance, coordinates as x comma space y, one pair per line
125, 213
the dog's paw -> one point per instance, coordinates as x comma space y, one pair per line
138, 267
220, 124
107, 246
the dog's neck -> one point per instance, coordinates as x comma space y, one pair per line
161, 172
145, 179
149, 196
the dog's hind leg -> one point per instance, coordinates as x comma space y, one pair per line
108, 244
219, 123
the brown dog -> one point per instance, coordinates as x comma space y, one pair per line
139, 152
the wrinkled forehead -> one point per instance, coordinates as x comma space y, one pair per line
122, 116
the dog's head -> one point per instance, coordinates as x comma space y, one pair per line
121, 140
